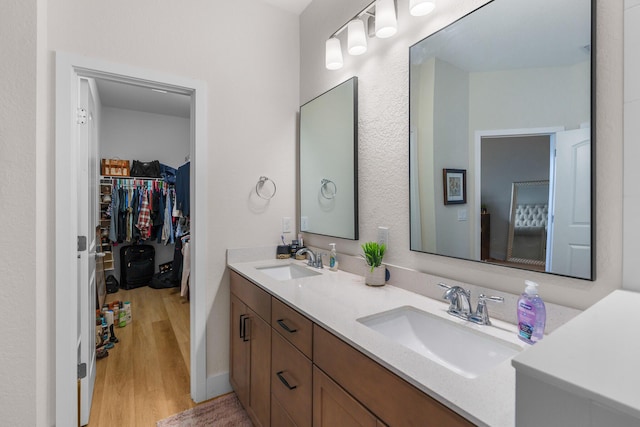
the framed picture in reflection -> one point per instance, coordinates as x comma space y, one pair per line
455, 186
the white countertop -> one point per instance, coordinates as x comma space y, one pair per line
596, 355
335, 300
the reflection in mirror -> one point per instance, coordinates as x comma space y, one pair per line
328, 162
528, 225
504, 93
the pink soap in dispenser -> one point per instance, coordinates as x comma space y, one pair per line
532, 314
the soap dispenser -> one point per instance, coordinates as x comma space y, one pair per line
333, 258
532, 314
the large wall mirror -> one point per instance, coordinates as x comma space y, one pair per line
329, 162
504, 95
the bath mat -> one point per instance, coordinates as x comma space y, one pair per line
224, 411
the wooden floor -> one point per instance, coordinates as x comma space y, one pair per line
145, 378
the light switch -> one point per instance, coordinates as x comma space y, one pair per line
462, 214
304, 223
286, 224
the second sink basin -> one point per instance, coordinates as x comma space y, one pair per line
461, 349
287, 271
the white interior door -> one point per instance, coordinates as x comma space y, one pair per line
87, 221
571, 250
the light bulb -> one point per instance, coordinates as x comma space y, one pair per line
356, 37
333, 54
421, 7
386, 22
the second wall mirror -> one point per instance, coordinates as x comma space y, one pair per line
329, 162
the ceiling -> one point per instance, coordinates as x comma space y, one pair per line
131, 97
294, 6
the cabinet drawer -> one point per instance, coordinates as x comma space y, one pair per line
393, 400
291, 380
293, 326
332, 406
254, 297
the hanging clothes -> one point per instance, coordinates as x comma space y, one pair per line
144, 218
186, 267
115, 207
182, 189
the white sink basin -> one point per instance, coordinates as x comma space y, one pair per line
463, 350
287, 271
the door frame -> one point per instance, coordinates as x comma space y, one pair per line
69, 68
497, 133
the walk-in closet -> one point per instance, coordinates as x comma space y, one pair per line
142, 305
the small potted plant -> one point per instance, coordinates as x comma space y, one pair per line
373, 254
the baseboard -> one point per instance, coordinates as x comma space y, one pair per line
218, 385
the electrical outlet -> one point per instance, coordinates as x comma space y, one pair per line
304, 223
383, 236
286, 224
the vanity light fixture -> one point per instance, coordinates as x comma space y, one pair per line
356, 37
360, 27
333, 54
421, 7
386, 22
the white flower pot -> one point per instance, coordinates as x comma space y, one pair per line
375, 277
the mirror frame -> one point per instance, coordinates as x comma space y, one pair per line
325, 182
592, 128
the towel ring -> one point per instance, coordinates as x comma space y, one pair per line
261, 189
328, 189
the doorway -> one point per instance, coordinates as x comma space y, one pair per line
69, 70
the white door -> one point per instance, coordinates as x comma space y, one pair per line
571, 249
87, 209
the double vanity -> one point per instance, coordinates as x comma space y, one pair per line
311, 346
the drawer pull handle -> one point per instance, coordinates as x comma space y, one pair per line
285, 382
243, 327
285, 327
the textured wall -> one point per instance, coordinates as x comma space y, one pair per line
18, 185
383, 155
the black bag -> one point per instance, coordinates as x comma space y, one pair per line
164, 280
136, 265
112, 284
145, 169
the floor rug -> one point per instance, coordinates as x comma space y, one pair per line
220, 412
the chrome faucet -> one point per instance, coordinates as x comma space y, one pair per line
460, 304
459, 301
481, 316
314, 260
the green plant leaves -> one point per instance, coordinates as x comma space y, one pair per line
373, 253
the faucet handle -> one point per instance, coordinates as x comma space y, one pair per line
319, 260
481, 316
482, 298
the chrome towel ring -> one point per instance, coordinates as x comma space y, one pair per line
328, 189
265, 188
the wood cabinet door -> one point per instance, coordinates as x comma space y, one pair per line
239, 352
332, 406
259, 335
291, 380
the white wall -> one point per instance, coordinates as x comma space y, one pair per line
18, 142
136, 135
383, 84
631, 279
